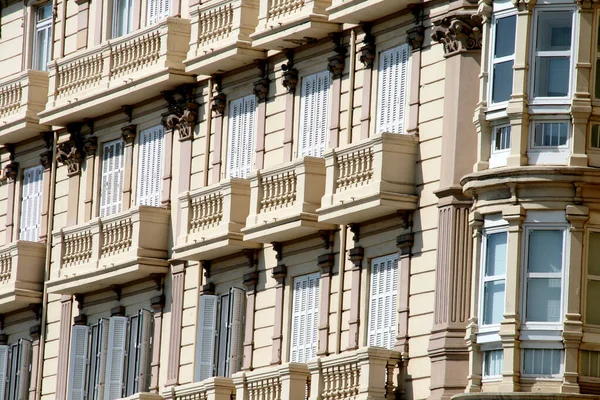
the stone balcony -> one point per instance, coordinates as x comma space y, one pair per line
370, 179
111, 250
22, 267
356, 11
212, 219
284, 200
22, 97
125, 70
291, 23
221, 36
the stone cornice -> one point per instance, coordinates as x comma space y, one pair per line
458, 32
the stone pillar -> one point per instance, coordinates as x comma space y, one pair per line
326, 262
278, 273
289, 81
71, 153
404, 244
34, 333
46, 163
261, 91
66, 310
336, 65
356, 256
11, 173
475, 359
90, 146
293, 378
250, 281
368, 53
178, 287
482, 126
157, 303
415, 37
218, 108
128, 134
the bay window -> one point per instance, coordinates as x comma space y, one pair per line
493, 361
502, 57
542, 362
500, 145
494, 277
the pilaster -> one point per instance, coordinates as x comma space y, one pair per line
368, 53
261, 91
178, 287
279, 273
475, 356
66, 310
326, 262
90, 146
404, 244
250, 281
158, 304
218, 109
356, 256
34, 334
128, 133
290, 82
10, 173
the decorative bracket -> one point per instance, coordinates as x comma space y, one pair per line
11, 171
325, 262
37, 310
278, 248
46, 159
261, 86
90, 145
206, 264
356, 256
47, 137
250, 280
458, 32
157, 303
337, 63
128, 110
367, 50
158, 281
117, 290
279, 273
290, 74
71, 152
327, 238
251, 256
80, 301
415, 37
128, 133
355, 229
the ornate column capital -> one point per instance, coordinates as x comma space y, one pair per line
523, 5
415, 37
368, 51
337, 63
71, 153
356, 255
128, 133
458, 32
183, 120
46, 159
90, 145
11, 171
290, 74
261, 86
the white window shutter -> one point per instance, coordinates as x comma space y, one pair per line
145, 353
205, 345
4, 350
104, 329
237, 301
115, 358
383, 303
305, 316
314, 114
242, 123
393, 90
157, 10
31, 204
24, 368
78, 362
222, 335
111, 189
150, 166
235, 116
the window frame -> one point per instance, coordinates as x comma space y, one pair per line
502, 227
394, 326
545, 346
308, 72
498, 14
114, 19
498, 158
491, 378
406, 105
549, 155
99, 190
228, 153
45, 24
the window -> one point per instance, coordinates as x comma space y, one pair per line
15, 364
111, 359
552, 53
503, 57
545, 256
219, 347
42, 40
111, 189
314, 114
592, 313
595, 139
122, 17
550, 134
150, 166
494, 276
158, 10
305, 315
590, 363
393, 89
384, 291
500, 145
31, 204
493, 361
542, 362
242, 122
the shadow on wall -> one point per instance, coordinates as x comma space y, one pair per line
523, 396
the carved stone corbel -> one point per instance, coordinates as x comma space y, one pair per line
128, 133
219, 104
368, 50
261, 86
524, 5
71, 152
90, 145
458, 32
11, 171
290, 74
46, 159
182, 114
337, 63
415, 37
484, 10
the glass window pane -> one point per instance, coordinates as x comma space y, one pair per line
44, 12
595, 140
554, 30
543, 299
592, 310
594, 253
551, 77
542, 361
496, 254
492, 362
545, 251
505, 36
503, 78
597, 85
493, 302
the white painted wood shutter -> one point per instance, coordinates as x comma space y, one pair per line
115, 358
31, 204
150, 166
222, 335
237, 305
23, 369
111, 188
305, 316
78, 361
393, 90
242, 127
205, 345
97, 364
314, 114
144, 351
384, 291
4, 350
158, 10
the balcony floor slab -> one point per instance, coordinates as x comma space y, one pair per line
362, 209
214, 247
285, 229
293, 33
223, 59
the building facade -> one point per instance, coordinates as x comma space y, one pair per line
298, 199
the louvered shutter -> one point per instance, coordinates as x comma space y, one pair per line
78, 361
393, 90
4, 350
235, 114
111, 189
222, 335
144, 351
31, 204
205, 345
237, 301
97, 363
314, 114
305, 315
150, 166
115, 358
132, 362
157, 10
384, 290
23, 369
242, 123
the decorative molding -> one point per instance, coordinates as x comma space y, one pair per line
355, 229
128, 133
279, 273
11, 171
327, 238
46, 159
368, 50
356, 256
458, 32
71, 153
415, 37
337, 63
325, 262
525, 5
278, 249
182, 114
290, 74
261, 86
250, 280
484, 10
157, 303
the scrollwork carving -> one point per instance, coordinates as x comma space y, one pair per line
71, 153
458, 32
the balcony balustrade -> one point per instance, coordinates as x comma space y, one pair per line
125, 70
284, 200
370, 179
221, 36
356, 11
111, 250
22, 97
291, 23
21, 275
212, 219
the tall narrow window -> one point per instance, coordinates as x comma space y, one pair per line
494, 271
552, 53
115, 358
78, 362
42, 41
158, 10
393, 89
242, 123
97, 360
305, 315
138, 353
18, 372
314, 114
31, 204
493, 361
122, 17
544, 275
503, 57
384, 292
150, 166
111, 189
